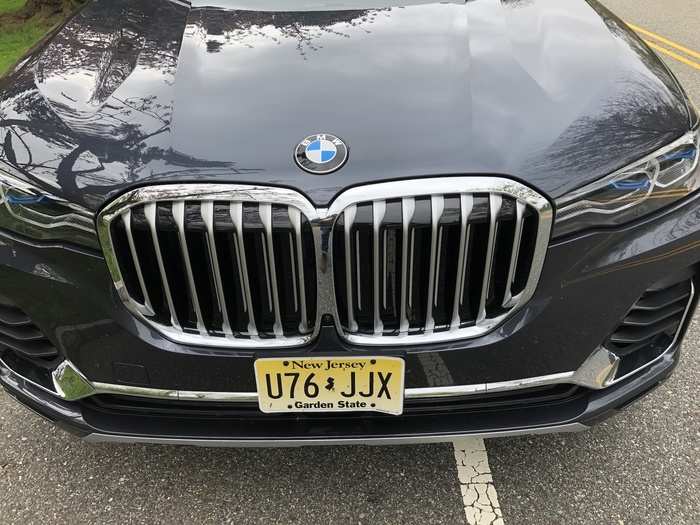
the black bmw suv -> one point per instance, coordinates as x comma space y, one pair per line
285, 222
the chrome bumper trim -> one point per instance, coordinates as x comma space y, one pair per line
595, 373
70, 384
277, 443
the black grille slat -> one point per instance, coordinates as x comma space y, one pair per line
361, 262
308, 279
10, 316
286, 270
419, 241
446, 278
37, 349
637, 334
390, 257
657, 300
220, 269
175, 272
203, 274
639, 317
476, 259
145, 248
24, 333
234, 293
256, 248
442, 262
502, 257
526, 255
126, 259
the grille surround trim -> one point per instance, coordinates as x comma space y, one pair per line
322, 222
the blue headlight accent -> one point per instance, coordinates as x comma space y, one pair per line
688, 154
29, 199
631, 184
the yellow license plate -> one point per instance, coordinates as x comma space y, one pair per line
330, 384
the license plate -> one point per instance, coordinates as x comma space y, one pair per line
330, 384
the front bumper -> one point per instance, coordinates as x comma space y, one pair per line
210, 424
530, 375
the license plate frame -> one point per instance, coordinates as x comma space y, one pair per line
377, 386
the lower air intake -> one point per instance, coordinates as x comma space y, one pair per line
652, 325
21, 335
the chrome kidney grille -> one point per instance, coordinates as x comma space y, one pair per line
416, 261
430, 267
222, 268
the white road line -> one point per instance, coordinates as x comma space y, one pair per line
478, 491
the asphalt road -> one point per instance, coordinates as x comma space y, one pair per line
642, 466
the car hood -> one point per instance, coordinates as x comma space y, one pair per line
554, 93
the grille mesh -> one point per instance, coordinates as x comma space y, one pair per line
219, 269
436, 263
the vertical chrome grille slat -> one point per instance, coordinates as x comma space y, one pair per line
378, 211
437, 206
411, 264
495, 202
208, 218
466, 203
266, 267
515, 251
358, 277
408, 208
295, 218
385, 271
179, 216
126, 220
437, 267
150, 211
236, 211
349, 220
266, 217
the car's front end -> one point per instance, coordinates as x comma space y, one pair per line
347, 223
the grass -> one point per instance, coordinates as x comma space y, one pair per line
19, 33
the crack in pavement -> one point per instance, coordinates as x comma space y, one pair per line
479, 495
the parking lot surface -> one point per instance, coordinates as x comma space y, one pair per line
642, 466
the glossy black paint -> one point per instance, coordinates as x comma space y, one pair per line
555, 93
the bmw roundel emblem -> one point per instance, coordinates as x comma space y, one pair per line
320, 154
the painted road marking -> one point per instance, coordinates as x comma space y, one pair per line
666, 41
657, 40
479, 495
670, 53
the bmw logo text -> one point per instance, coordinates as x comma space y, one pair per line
321, 154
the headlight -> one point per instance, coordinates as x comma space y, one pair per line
632, 192
28, 211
